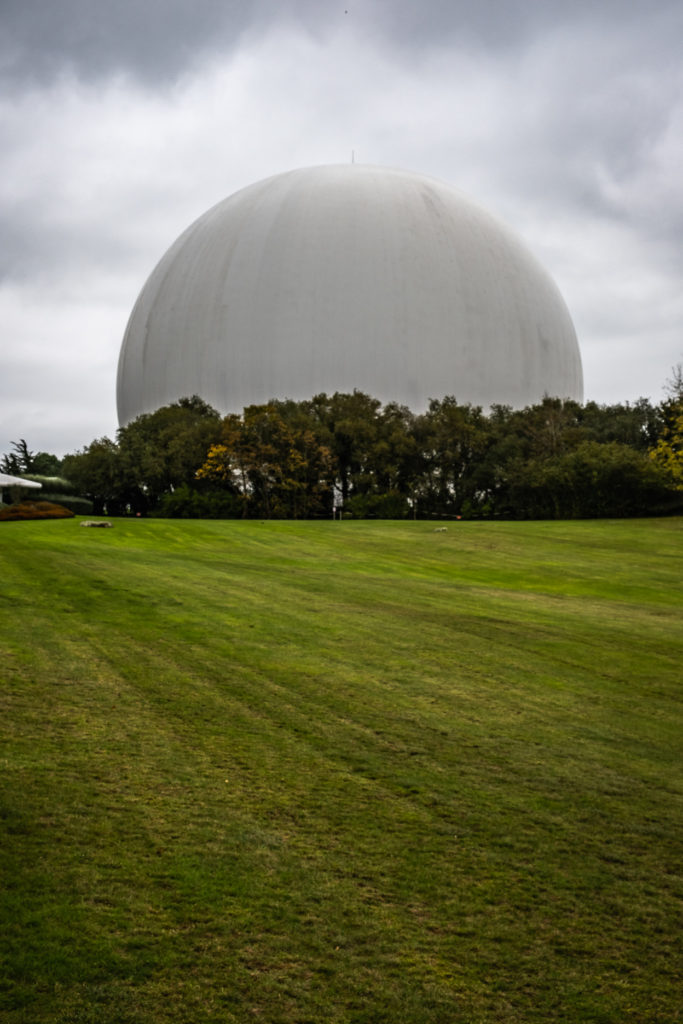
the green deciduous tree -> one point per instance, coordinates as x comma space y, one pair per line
592, 481
296, 459
96, 472
453, 441
162, 450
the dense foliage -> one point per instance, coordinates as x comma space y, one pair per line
152, 457
347, 454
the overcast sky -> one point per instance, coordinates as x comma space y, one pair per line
121, 122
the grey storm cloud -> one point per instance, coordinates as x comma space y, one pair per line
122, 122
151, 39
157, 39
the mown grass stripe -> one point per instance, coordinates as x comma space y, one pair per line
350, 771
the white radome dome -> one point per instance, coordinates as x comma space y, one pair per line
342, 277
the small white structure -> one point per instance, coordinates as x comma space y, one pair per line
342, 277
15, 485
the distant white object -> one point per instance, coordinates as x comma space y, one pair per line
342, 277
15, 485
17, 481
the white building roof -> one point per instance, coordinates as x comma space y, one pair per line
17, 481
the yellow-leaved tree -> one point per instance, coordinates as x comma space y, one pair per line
668, 452
277, 468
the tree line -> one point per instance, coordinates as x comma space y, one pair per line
347, 454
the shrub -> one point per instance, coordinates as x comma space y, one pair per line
390, 505
79, 506
52, 484
187, 503
34, 510
59, 491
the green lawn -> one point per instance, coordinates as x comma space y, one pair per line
341, 772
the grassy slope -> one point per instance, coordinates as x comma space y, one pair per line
341, 772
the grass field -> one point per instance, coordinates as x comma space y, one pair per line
341, 772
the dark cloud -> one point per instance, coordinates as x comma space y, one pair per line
156, 40
152, 40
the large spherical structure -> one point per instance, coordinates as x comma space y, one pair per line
342, 277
